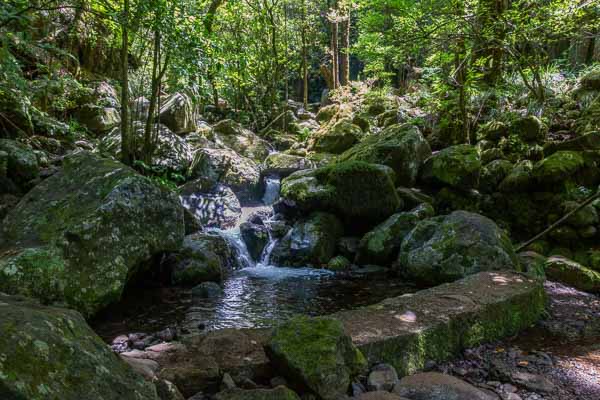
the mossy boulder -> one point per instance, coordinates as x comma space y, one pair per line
278, 393
256, 238
381, 245
558, 167
519, 179
529, 129
51, 353
337, 138
591, 80
316, 354
21, 163
456, 166
586, 216
401, 147
494, 173
569, 272
326, 113
197, 261
282, 164
312, 241
359, 192
492, 131
79, 236
448, 248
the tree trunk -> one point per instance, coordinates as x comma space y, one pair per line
304, 58
334, 55
126, 142
345, 50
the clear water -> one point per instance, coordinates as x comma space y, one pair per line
258, 296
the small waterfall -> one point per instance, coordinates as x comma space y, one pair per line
234, 238
265, 257
272, 187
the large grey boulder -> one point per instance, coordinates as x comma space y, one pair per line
401, 147
447, 248
214, 206
79, 236
231, 134
178, 114
51, 353
227, 167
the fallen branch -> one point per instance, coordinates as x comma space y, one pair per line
559, 222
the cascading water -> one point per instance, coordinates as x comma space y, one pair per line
272, 188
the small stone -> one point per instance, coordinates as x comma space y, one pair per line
382, 377
207, 290
227, 382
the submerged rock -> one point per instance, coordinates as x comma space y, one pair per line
447, 248
79, 236
401, 147
310, 242
359, 192
457, 166
51, 353
316, 354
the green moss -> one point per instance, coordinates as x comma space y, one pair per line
558, 167
572, 273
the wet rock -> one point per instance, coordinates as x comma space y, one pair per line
339, 263
317, 354
400, 147
79, 236
71, 361
225, 166
310, 242
256, 238
446, 248
337, 138
279, 393
207, 290
456, 166
436, 386
566, 271
233, 135
383, 377
196, 262
178, 114
379, 395
214, 206
358, 192
348, 246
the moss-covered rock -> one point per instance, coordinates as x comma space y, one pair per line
337, 138
326, 113
457, 166
359, 192
492, 131
529, 129
310, 242
80, 235
339, 263
584, 217
316, 354
519, 179
282, 164
558, 167
401, 147
447, 248
21, 162
256, 238
178, 113
494, 173
591, 80
198, 260
279, 393
51, 353
563, 270
381, 245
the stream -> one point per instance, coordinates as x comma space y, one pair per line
256, 295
